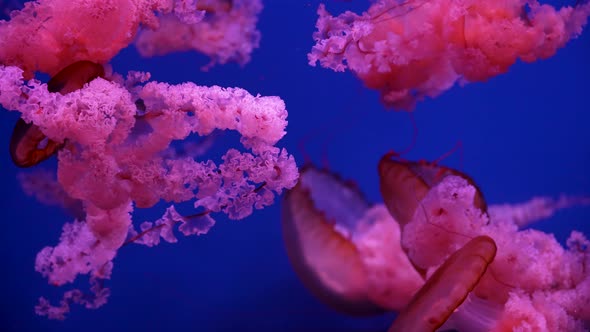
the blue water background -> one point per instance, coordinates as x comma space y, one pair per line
524, 133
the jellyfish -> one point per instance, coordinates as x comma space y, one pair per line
530, 269
223, 30
28, 145
111, 169
36, 41
450, 261
412, 49
118, 131
345, 250
42, 184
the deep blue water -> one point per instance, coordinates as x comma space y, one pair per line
524, 133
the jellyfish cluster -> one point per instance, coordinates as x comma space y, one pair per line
433, 251
113, 134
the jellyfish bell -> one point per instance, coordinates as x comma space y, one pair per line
346, 251
403, 185
215, 6
324, 258
28, 145
447, 288
74, 76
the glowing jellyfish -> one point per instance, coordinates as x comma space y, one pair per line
118, 131
28, 145
533, 280
225, 31
40, 36
325, 259
345, 250
483, 273
412, 49
47, 35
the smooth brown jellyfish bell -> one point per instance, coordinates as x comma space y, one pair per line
403, 184
447, 288
215, 6
28, 145
74, 76
316, 216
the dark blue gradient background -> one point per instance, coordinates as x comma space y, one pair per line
524, 133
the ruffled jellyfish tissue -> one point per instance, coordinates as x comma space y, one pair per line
130, 122
409, 50
88, 118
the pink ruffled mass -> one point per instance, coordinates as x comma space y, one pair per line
358, 259
409, 50
227, 32
115, 135
48, 35
533, 283
111, 168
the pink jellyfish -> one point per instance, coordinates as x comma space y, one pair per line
532, 281
443, 258
225, 31
412, 49
318, 243
345, 250
48, 35
117, 131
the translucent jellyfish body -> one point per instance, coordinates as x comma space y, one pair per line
48, 35
530, 270
481, 271
412, 49
118, 131
346, 251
